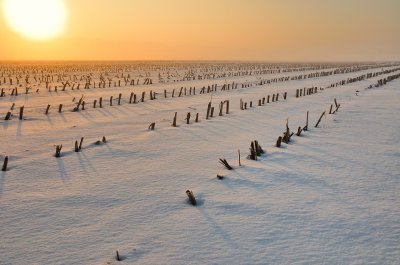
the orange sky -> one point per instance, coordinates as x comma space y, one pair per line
284, 30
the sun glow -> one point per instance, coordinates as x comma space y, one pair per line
36, 19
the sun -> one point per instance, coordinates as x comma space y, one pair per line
36, 19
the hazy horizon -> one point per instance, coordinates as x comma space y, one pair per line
221, 30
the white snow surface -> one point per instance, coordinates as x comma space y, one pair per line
330, 196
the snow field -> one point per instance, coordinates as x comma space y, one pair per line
328, 197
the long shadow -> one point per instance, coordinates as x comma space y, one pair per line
19, 129
63, 117
218, 229
245, 181
87, 113
84, 160
2, 178
134, 255
106, 112
5, 125
49, 120
118, 108
61, 169
87, 117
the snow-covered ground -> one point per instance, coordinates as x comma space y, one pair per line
330, 196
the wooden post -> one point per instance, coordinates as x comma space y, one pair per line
299, 131
253, 155
58, 150
119, 98
117, 256
268, 99
76, 146
174, 122
188, 118
94, 103
319, 120
221, 106
330, 110
21, 112
197, 117
192, 199
152, 125
240, 164
284, 95
5, 163
337, 108
227, 106
212, 112
279, 141
130, 98
80, 144
47, 109
208, 110
143, 94
306, 127
111, 99
165, 93
285, 138
101, 102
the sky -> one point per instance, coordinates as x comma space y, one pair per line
246, 30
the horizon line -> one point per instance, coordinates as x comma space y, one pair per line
190, 60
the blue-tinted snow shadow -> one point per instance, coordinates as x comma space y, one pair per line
5, 124
61, 169
219, 230
236, 180
63, 117
49, 120
105, 112
85, 162
2, 178
19, 129
133, 255
87, 116
119, 109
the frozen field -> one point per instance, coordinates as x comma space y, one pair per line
330, 196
